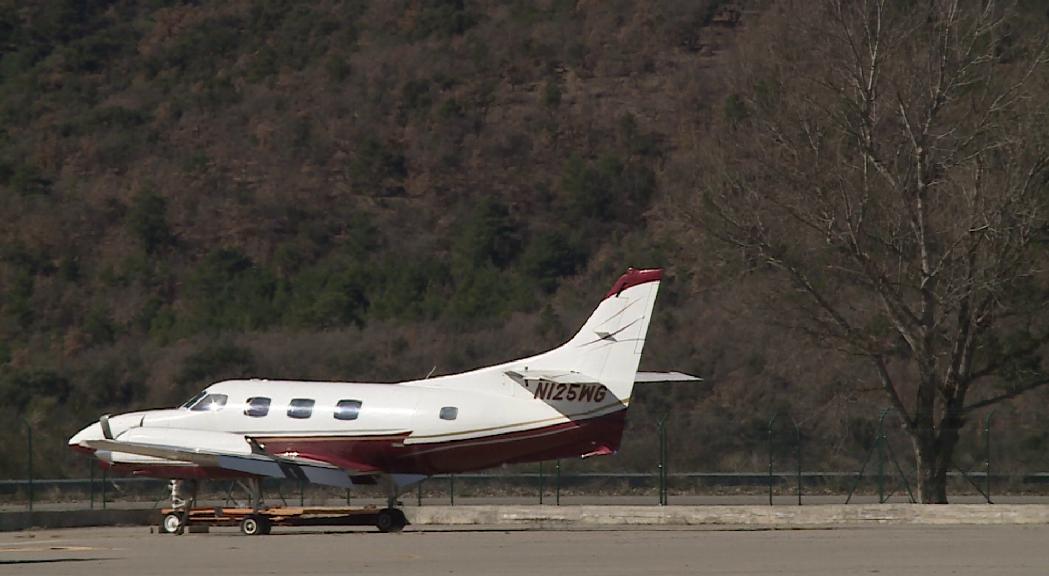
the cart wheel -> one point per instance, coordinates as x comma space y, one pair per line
255, 525
170, 523
390, 520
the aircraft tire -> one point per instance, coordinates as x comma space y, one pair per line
170, 523
255, 525
390, 520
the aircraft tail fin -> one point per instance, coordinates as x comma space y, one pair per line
608, 347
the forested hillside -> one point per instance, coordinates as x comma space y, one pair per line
365, 190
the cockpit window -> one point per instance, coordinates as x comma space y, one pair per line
210, 403
193, 400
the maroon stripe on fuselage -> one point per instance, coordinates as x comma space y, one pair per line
563, 440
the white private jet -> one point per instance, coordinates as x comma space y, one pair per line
570, 401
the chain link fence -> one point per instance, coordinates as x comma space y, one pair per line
984, 471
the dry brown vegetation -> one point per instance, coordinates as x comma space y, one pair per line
364, 190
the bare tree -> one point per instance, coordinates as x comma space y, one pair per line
889, 159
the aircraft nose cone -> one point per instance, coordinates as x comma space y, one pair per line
91, 432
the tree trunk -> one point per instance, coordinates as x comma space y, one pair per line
932, 483
933, 454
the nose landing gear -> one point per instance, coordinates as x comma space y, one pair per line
183, 496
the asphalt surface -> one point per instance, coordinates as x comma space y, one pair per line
896, 550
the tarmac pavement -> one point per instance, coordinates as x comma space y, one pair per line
1005, 550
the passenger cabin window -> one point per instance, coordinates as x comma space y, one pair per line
257, 407
210, 403
449, 413
347, 409
300, 408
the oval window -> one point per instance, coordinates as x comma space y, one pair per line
300, 408
449, 413
257, 407
347, 409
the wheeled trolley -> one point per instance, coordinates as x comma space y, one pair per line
257, 522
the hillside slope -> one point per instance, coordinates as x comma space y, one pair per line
365, 190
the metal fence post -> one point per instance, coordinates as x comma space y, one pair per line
541, 482
29, 463
987, 454
881, 460
772, 421
105, 478
302, 493
419, 493
557, 484
91, 467
451, 489
663, 461
797, 430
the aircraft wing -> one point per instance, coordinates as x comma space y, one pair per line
225, 451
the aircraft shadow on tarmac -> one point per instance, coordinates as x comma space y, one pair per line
51, 561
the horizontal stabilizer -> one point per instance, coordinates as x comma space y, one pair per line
568, 377
650, 377
559, 376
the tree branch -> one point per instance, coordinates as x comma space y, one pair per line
1004, 396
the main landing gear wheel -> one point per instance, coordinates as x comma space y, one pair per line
170, 523
390, 520
255, 525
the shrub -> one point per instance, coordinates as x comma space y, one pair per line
480, 293
147, 220
549, 257
27, 180
374, 165
18, 388
634, 140
112, 386
18, 298
337, 69
443, 17
411, 288
488, 236
263, 65
416, 96
606, 190
735, 109
98, 326
227, 291
552, 94
328, 294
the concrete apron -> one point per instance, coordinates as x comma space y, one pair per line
814, 516
752, 516
11, 521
